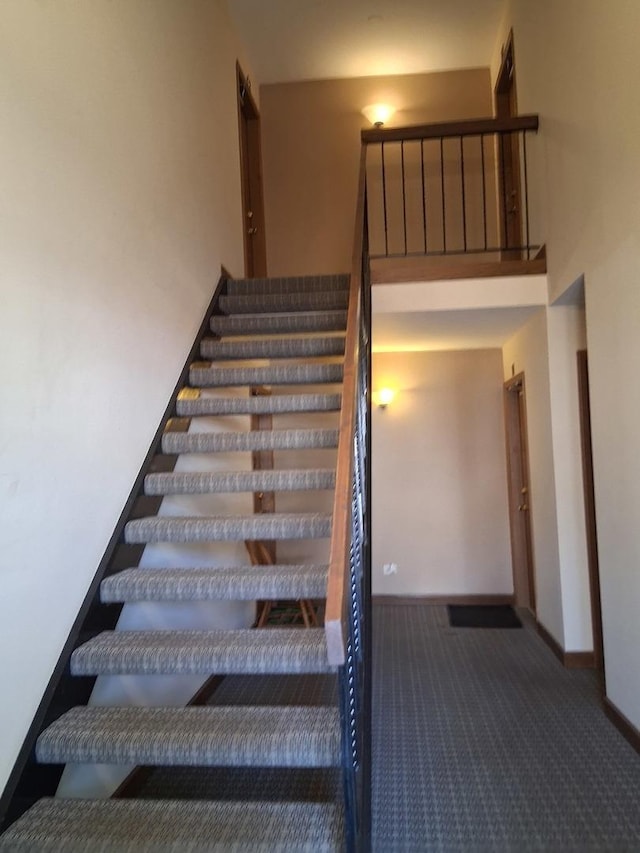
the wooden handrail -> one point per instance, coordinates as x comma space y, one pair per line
442, 130
338, 580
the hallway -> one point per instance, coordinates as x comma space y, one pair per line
484, 742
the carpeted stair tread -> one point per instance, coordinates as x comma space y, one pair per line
247, 651
230, 736
270, 405
299, 347
175, 826
211, 376
267, 324
234, 528
271, 303
268, 439
215, 482
287, 284
229, 583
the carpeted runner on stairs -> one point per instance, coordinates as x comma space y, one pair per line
278, 334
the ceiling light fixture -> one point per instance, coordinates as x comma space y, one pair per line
378, 114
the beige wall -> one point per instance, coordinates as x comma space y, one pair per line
311, 150
439, 475
576, 65
120, 200
528, 352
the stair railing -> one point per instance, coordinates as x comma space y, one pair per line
453, 188
348, 608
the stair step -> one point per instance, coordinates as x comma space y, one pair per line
276, 374
270, 405
230, 736
316, 321
228, 528
189, 826
249, 651
272, 303
268, 439
309, 347
230, 583
288, 284
201, 483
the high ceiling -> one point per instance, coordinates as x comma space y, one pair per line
290, 40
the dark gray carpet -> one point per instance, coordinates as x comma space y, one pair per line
481, 742
484, 742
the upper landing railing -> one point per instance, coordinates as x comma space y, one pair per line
456, 188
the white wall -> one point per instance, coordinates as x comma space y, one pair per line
439, 477
575, 65
528, 351
566, 335
120, 200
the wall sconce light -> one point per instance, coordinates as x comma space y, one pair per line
378, 114
383, 397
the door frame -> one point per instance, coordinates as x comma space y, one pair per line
517, 443
590, 508
508, 158
253, 228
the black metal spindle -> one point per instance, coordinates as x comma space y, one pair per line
503, 173
424, 191
484, 192
355, 675
526, 193
384, 201
505, 213
404, 197
444, 214
464, 206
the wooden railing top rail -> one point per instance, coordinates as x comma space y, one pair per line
338, 581
442, 130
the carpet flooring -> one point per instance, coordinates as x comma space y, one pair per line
484, 742
483, 616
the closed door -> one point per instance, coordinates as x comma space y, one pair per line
255, 253
519, 493
508, 158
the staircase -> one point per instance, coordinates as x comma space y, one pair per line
294, 329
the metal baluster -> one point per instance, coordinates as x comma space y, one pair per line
526, 193
384, 201
404, 197
484, 193
464, 205
504, 195
424, 190
444, 214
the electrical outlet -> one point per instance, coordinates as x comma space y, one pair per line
390, 569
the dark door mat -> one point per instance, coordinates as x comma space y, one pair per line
483, 616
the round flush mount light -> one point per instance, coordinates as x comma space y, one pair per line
378, 114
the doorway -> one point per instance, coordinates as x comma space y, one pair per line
508, 158
590, 507
255, 247
515, 406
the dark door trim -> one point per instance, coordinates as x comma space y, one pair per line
508, 158
518, 478
253, 229
590, 508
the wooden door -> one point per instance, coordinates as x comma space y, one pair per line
590, 507
255, 249
508, 159
519, 492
